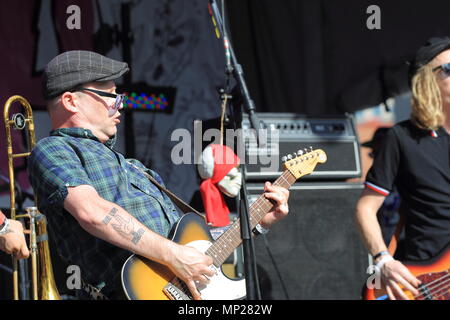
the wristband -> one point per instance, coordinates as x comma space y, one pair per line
4, 227
381, 263
259, 229
379, 254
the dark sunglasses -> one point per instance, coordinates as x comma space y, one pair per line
119, 97
445, 68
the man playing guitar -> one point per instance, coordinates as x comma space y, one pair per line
101, 207
415, 158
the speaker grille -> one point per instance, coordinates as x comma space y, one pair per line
317, 248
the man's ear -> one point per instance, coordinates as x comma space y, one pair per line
70, 100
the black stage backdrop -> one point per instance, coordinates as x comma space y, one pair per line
312, 57
319, 57
173, 46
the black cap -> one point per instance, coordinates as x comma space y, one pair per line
73, 68
426, 53
377, 138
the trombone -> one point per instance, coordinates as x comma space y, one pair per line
43, 282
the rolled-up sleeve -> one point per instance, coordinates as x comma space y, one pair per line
53, 168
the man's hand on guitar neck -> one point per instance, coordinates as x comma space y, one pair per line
279, 196
393, 273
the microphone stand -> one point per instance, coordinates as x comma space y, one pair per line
127, 40
235, 69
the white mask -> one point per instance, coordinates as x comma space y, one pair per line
231, 183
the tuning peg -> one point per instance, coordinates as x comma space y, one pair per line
300, 152
289, 156
294, 154
284, 159
310, 148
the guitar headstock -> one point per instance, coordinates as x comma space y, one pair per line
303, 162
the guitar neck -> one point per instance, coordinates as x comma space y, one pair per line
221, 249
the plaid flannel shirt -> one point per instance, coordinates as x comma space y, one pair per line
74, 156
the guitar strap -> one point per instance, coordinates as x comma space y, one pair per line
178, 202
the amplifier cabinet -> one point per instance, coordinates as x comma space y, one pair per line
316, 251
287, 133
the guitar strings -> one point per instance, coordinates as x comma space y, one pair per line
436, 285
442, 288
230, 237
442, 291
445, 291
438, 282
432, 290
260, 205
181, 286
233, 231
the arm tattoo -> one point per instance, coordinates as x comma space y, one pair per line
125, 227
111, 214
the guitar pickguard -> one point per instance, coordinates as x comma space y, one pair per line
215, 289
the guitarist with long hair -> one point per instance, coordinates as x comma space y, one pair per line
415, 157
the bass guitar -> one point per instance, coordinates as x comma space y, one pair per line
143, 279
434, 275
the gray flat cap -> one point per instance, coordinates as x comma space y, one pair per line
73, 68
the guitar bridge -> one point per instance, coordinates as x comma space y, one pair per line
177, 290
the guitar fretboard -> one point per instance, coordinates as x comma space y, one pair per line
222, 248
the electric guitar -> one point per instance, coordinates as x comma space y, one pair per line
143, 279
434, 275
